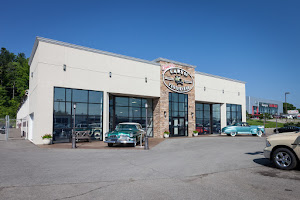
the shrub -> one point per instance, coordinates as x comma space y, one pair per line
195, 131
47, 136
167, 132
292, 124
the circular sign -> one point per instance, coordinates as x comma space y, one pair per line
178, 80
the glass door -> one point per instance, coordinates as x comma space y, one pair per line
178, 126
178, 114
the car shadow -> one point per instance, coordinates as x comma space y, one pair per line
267, 163
255, 153
123, 145
264, 162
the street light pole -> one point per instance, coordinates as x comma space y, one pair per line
73, 132
146, 136
286, 104
276, 122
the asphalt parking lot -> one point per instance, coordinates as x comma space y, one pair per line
185, 168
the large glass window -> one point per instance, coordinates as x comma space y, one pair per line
202, 120
88, 114
233, 113
216, 118
271, 109
130, 109
208, 118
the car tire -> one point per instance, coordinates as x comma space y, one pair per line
284, 159
259, 133
233, 134
110, 144
135, 142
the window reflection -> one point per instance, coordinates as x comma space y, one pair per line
216, 117
59, 94
208, 118
130, 109
81, 109
88, 113
80, 96
95, 97
178, 114
233, 113
203, 118
95, 109
121, 101
136, 102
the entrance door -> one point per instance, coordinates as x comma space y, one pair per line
178, 126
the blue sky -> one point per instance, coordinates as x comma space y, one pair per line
256, 41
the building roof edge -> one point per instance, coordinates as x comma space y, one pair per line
174, 62
41, 39
220, 77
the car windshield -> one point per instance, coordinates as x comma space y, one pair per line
236, 124
245, 124
126, 127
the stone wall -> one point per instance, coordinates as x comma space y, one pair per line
161, 105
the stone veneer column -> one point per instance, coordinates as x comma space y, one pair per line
161, 105
156, 118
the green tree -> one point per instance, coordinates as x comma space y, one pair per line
289, 107
5, 58
14, 74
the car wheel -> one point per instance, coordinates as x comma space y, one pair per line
110, 144
134, 144
259, 133
233, 134
284, 159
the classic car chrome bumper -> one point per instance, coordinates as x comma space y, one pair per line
119, 141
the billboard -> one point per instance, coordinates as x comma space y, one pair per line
293, 112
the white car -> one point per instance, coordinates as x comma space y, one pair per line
283, 150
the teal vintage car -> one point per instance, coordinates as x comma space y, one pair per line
125, 133
243, 128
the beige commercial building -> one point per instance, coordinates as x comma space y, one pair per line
109, 88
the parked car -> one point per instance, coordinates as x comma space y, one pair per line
125, 133
287, 129
287, 116
283, 150
243, 128
202, 130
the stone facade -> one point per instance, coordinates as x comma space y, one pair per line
161, 105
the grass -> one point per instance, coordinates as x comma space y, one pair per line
261, 123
